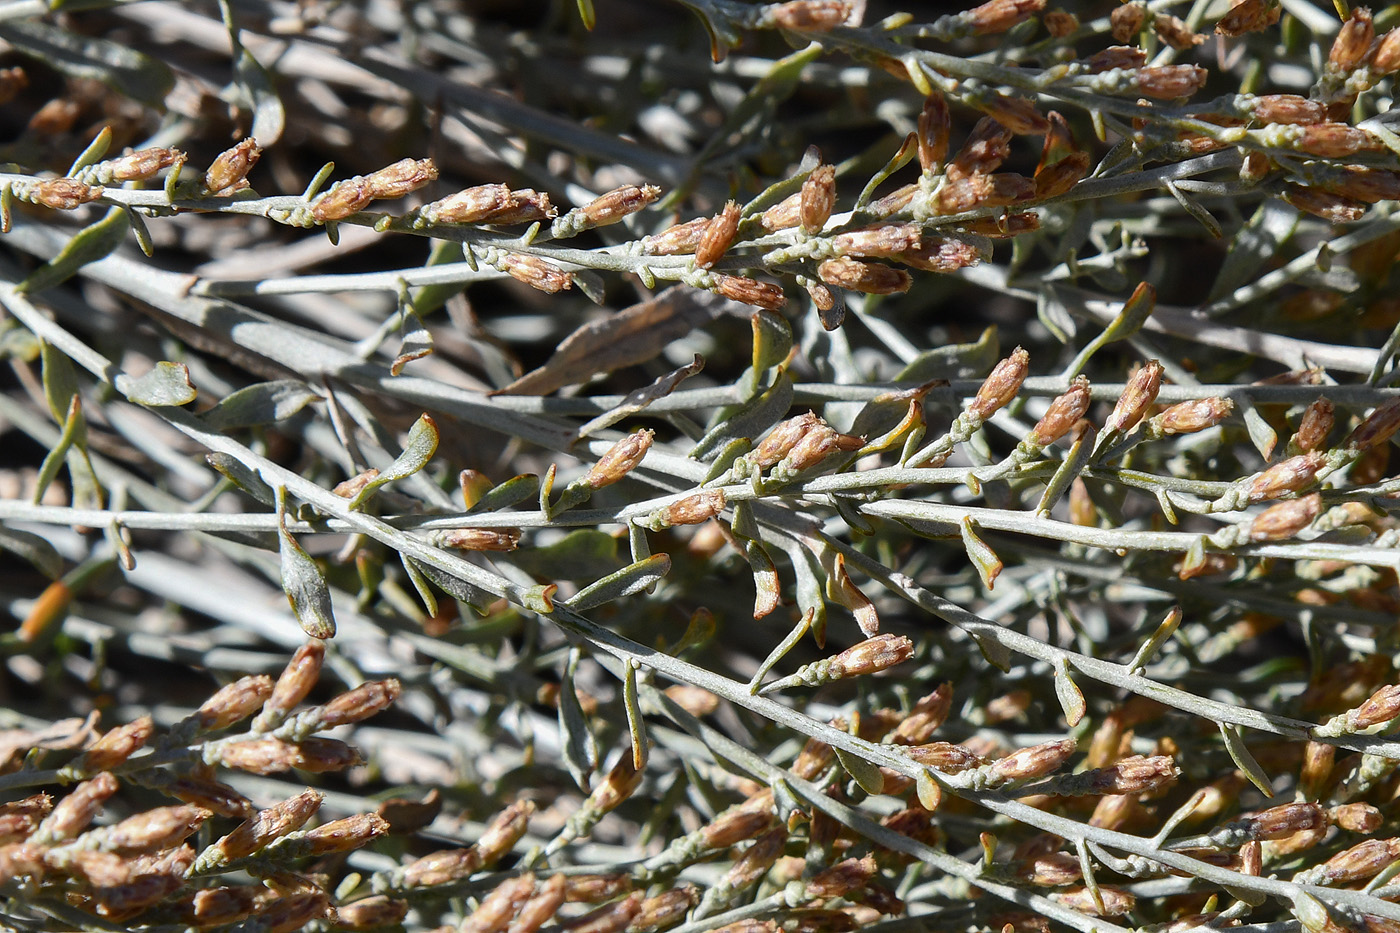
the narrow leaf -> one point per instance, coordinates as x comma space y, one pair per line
514, 490
241, 476
33, 549
580, 745
1234, 744
93, 242
457, 588
635, 401
988, 565
420, 583
635, 725
260, 403
749, 420
302, 580
780, 651
417, 451
867, 774
1068, 693
629, 580
131, 73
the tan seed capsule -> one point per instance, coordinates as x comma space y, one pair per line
941, 254
693, 510
540, 908
360, 703
872, 656
882, 242
442, 867
1353, 43
1378, 427
1126, 21
1116, 901
997, 16
999, 388
403, 177
1063, 413
1285, 820
1330, 207
782, 439
1356, 817
368, 913
1287, 108
1128, 57
784, 215
1192, 416
505, 829
819, 443
934, 129
1136, 775
1035, 761
21, 859
1249, 16
344, 199
818, 198
808, 15
597, 887
480, 539
270, 824
353, 832
1168, 82
945, 756
537, 273
1292, 475
1386, 59
717, 237
78, 808
271, 756
622, 458
144, 163
1316, 425
618, 203
287, 914
750, 291
472, 205
979, 191
229, 173
1381, 706
63, 194
1334, 140
117, 746
1285, 519
664, 910
1138, 396
294, 683
234, 702
871, 278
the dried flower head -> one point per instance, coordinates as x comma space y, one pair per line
817, 198
1380, 425
782, 439
749, 291
717, 236
1292, 475
997, 16
807, 15
1063, 413
933, 132
1285, 519
622, 458
1194, 415
1138, 396
1249, 16
63, 194
1001, 386
229, 173
872, 656
1035, 761
616, 204
1353, 43
871, 278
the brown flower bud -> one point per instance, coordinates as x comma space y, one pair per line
784, 215
814, 758
1334, 140
616, 204
893, 202
881, 242
1033, 762
1356, 817
1126, 21
403, 177
1138, 396
1055, 179
610, 918
537, 273
622, 458
76, 810
293, 684
1060, 23
1316, 425
872, 656
718, 235
472, 205
153, 830
287, 914
505, 829
1195, 415
529, 206
1358, 863
750, 291
1381, 706
268, 825
498, 907
211, 907
1167, 82
1363, 183
1353, 43
1378, 427
123, 902
229, 173
1330, 207
1249, 16
1292, 475
63, 194
871, 278
987, 146
360, 703
1051, 869
997, 16
808, 15
1116, 901
927, 715
210, 795
1128, 57
1175, 33
442, 867
1135, 775
843, 878
1003, 227
755, 861
735, 825
541, 907
21, 859
593, 888
1285, 519
368, 913
941, 254
934, 129
818, 198
1017, 114
19, 818
1287, 108
999, 388
782, 439
694, 509
234, 702
974, 191
144, 163
819, 443
352, 487
117, 746
664, 910
271, 756
618, 785
1062, 414
945, 757
480, 539
1386, 59
1283, 820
